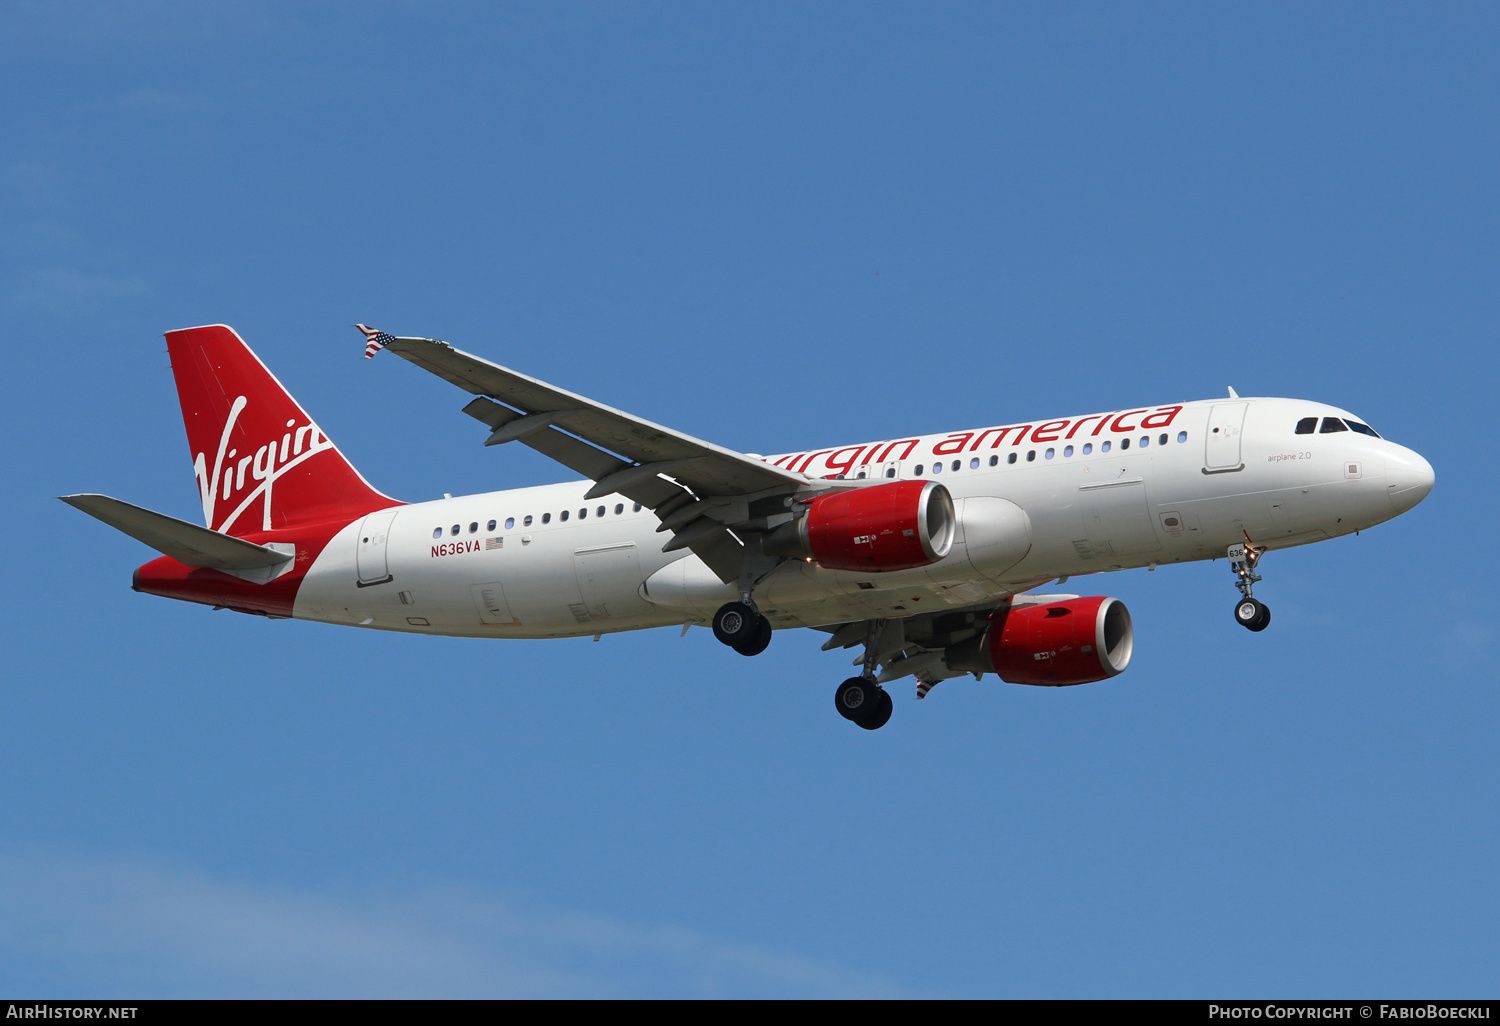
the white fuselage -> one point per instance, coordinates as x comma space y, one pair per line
553, 565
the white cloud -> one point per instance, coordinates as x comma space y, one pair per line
83, 926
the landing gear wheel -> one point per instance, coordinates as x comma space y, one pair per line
861, 701
736, 624
881, 714
756, 645
1252, 614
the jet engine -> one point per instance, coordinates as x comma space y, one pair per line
1072, 641
895, 526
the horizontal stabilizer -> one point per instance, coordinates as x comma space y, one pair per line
187, 543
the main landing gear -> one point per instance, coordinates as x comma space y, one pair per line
1249, 612
742, 628
861, 700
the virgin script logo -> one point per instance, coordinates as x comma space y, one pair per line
263, 467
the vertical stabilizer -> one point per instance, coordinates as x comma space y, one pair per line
261, 462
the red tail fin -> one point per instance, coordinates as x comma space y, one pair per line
261, 461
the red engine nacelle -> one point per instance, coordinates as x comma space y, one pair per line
893, 526
1074, 641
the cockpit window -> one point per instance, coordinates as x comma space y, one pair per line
1307, 425
1330, 425
1363, 429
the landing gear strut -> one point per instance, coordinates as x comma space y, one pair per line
742, 628
1249, 612
859, 699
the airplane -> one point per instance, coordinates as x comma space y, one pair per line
925, 551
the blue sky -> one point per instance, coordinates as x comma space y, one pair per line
773, 226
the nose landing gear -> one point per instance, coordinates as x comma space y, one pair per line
1249, 612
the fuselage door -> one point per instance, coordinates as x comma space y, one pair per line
369, 559
609, 579
1222, 449
1117, 519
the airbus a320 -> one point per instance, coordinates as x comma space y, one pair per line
923, 552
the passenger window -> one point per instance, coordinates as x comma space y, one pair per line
1331, 425
526, 522
599, 512
636, 508
1145, 441
437, 532
547, 518
455, 528
1307, 425
1182, 436
1011, 458
1051, 453
937, 468
890, 471
918, 471
860, 476
1068, 451
974, 463
619, 508
1088, 447
994, 461
1124, 443
1363, 429
1104, 447
583, 514
474, 527
511, 522
1031, 456
490, 526
957, 464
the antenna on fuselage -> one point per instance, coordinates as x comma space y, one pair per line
1232, 393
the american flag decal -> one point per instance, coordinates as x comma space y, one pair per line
924, 686
375, 341
494, 543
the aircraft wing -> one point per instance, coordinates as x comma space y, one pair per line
709, 485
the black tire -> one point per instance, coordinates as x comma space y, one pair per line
756, 645
736, 624
881, 714
1249, 613
856, 698
1263, 621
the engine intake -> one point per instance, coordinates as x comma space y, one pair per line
895, 526
1054, 644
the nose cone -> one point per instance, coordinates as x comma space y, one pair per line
1408, 479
